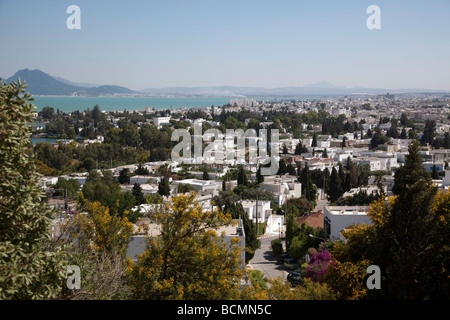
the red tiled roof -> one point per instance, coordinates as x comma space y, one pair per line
314, 219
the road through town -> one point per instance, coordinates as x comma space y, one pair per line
265, 261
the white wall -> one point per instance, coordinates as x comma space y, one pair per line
341, 221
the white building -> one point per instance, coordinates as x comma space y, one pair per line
446, 179
201, 186
47, 181
160, 121
429, 166
338, 218
235, 230
273, 222
264, 209
282, 187
142, 179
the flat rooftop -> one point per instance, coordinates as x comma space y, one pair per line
348, 210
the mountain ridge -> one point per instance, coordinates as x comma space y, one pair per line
41, 83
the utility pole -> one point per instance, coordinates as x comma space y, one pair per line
65, 200
257, 217
285, 210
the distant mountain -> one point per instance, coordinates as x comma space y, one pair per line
321, 88
40, 83
323, 84
76, 84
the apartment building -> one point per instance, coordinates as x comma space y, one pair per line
338, 218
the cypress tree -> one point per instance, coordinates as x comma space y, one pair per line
282, 167
308, 189
259, 176
205, 175
314, 141
138, 194
341, 173
434, 173
251, 241
352, 173
335, 190
164, 187
413, 243
242, 176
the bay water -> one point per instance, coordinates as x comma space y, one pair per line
70, 104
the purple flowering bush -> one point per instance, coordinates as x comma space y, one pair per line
318, 264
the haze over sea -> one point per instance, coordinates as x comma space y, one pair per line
70, 104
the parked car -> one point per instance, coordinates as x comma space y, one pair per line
291, 264
295, 278
282, 257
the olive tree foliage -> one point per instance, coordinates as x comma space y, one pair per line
29, 267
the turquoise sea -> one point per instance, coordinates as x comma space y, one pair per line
36, 140
69, 104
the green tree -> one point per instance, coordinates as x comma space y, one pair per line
47, 113
363, 173
251, 240
206, 175
124, 176
378, 138
341, 173
434, 173
302, 241
446, 142
292, 229
242, 176
142, 171
408, 239
412, 229
335, 190
259, 176
403, 134
429, 132
282, 167
88, 164
69, 188
308, 189
299, 149
353, 177
285, 149
314, 141
164, 187
107, 191
277, 247
29, 267
138, 194
130, 135
291, 170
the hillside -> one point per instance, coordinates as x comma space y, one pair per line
40, 83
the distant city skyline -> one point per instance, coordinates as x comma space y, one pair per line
157, 44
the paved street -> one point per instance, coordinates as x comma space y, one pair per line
265, 261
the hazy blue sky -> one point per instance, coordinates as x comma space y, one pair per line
142, 44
